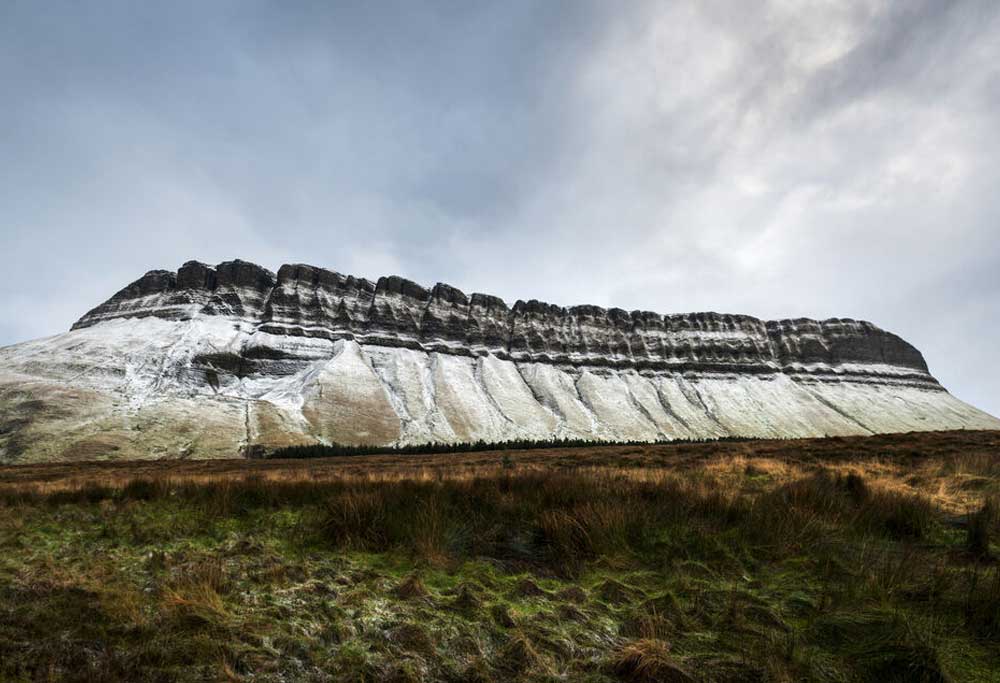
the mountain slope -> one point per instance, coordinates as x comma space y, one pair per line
211, 361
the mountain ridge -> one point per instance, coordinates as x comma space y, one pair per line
214, 361
394, 311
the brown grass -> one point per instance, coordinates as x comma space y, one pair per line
648, 661
519, 656
950, 468
411, 588
195, 597
564, 509
861, 555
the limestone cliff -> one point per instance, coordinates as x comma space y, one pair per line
304, 301
208, 361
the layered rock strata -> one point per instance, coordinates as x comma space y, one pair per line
208, 361
304, 301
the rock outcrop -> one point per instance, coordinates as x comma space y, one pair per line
210, 360
305, 301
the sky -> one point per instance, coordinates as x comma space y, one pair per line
781, 159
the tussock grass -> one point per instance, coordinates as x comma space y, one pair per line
648, 661
848, 560
195, 597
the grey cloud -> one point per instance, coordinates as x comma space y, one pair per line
909, 50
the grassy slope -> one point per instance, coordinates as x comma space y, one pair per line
836, 560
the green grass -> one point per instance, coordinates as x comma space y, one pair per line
518, 575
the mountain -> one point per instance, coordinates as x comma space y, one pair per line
215, 361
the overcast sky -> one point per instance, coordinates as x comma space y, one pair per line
779, 159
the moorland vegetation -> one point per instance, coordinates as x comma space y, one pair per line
848, 559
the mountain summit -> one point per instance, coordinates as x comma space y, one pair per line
211, 361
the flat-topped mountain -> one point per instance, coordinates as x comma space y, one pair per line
212, 361
304, 301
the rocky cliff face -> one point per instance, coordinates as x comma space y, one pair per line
209, 360
305, 301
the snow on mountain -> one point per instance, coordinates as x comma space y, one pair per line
212, 361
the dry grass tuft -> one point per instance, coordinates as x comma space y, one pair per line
355, 518
411, 588
197, 604
616, 593
647, 625
519, 656
526, 588
195, 598
648, 661
412, 638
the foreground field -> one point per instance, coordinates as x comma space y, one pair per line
833, 560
